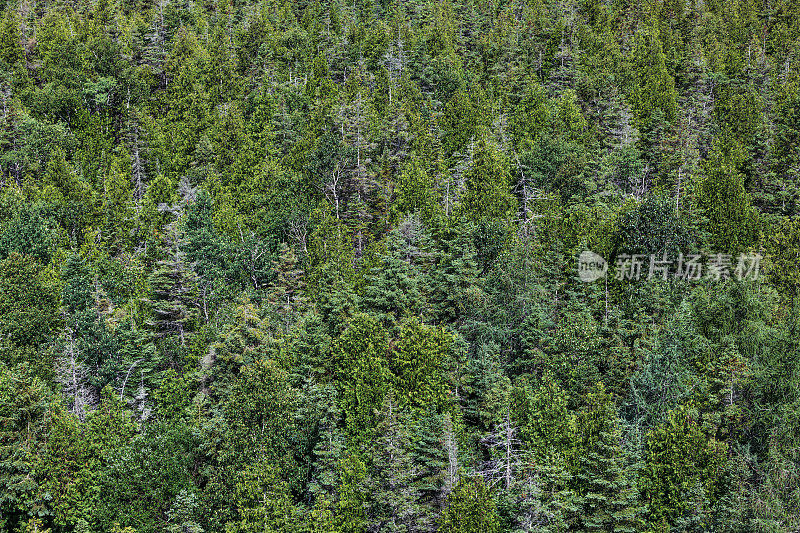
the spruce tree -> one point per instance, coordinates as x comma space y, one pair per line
394, 495
454, 278
172, 299
393, 286
606, 491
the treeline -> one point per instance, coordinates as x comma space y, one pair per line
312, 266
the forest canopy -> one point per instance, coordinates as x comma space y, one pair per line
399, 266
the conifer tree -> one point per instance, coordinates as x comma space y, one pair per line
470, 508
488, 183
352, 495
24, 417
606, 491
653, 96
530, 116
394, 495
361, 374
785, 152
732, 221
288, 290
394, 288
172, 298
454, 278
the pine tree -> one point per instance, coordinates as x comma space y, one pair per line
570, 122
256, 469
352, 495
545, 420
785, 151
458, 122
71, 367
244, 341
68, 469
434, 450
415, 193
24, 418
530, 116
262, 500
327, 439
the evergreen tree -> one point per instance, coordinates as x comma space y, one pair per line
393, 287
470, 508
606, 491
361, 374
732, 220
488, 183
27, 310
393, 493
653, 96
288, 290
454, 279
24, 418
172, 298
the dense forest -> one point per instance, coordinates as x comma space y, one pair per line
321, 266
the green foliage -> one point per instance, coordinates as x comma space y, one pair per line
419, 364
24, 418
683, 465
311, 266
605, 489
144, 476
393, 287
732, 221
470, 509
530, 117
27, 307
361, 373
488, 183
653, 94
545, 420
27, 233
